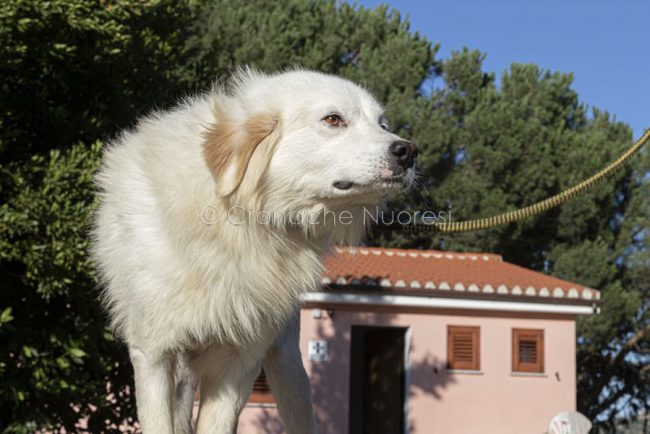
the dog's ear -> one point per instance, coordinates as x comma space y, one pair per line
238, 152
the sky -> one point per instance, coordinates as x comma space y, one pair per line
605, 44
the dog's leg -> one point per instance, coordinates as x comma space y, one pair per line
154, 385
289, 381
186, 383
224, 396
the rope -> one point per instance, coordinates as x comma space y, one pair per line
531, 210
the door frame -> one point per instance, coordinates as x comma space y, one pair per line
355, 373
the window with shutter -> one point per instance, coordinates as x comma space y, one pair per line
464, 348
261, 393
527, 350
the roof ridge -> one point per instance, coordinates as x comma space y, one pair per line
424, 253
573, 291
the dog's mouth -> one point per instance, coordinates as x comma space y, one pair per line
388, 183
343, 185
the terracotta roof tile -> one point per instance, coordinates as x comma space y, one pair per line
454, 274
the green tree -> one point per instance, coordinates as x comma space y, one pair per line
73, 72
77, 71
489, 149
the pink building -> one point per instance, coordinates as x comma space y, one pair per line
411, 341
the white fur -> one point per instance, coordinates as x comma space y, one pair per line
209, 302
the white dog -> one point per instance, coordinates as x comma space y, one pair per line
213, 220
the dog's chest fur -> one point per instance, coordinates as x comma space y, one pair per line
251, 288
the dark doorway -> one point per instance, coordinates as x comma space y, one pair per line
377, 380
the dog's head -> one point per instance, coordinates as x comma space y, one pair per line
302, 141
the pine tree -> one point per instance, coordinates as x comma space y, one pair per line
487, 150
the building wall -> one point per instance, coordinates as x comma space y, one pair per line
493, 401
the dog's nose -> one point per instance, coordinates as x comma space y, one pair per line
405, 152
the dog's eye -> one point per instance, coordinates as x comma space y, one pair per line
334, 120
383, 123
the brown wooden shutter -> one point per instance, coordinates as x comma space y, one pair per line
464, 348
527, 350
261, 390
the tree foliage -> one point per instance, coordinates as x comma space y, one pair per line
75, 72
489, 149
